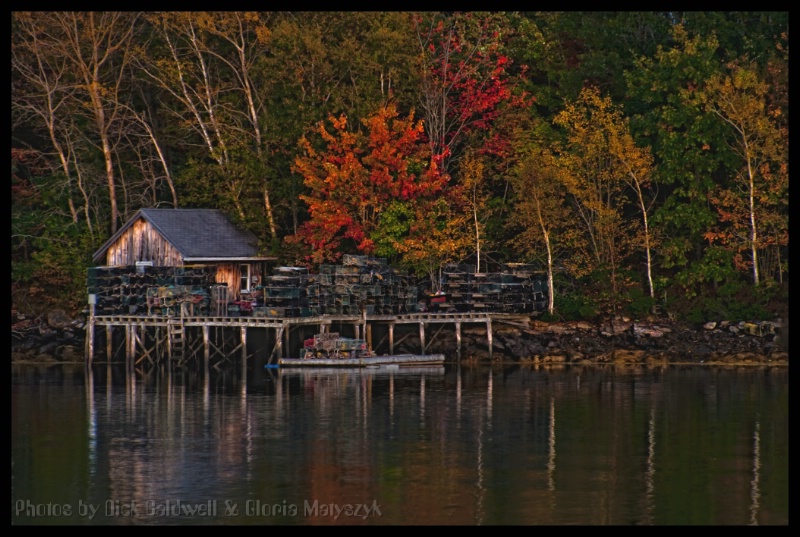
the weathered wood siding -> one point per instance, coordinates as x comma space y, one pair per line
229, 273
141, 242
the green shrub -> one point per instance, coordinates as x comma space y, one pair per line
573, 307
736, 300
639, 304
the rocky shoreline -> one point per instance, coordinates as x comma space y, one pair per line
625, 341
57, 338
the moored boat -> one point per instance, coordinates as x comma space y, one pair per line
393, 359
370, 371
331, 350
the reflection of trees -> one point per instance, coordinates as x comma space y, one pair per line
606, 444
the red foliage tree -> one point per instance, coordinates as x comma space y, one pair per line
465, 81
357, 175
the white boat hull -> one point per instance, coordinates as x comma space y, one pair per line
398, 359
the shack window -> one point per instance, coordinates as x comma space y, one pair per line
245, 278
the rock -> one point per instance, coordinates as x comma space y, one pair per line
628, 356
48, 348
70, 354
645, 341
575, 356
559, 329
20, 357
615, 328
711, 325
58, 319
779, 356
640, 331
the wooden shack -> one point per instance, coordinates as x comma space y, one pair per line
181, 237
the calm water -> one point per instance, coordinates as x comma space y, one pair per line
571, 445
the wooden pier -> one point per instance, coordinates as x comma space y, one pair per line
179, 341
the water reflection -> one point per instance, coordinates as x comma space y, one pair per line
594, 445
754, 493
649, 476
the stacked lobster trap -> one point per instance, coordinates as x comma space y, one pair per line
284, 294
146, 290
513, 288
364, 284
331, 345
360, 284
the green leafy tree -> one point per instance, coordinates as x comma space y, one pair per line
685, 142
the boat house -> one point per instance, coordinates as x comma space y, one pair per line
178, 283
184, 237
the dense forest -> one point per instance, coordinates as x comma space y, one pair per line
639, 158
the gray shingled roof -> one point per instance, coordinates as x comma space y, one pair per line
196, 233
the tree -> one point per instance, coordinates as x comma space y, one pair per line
354, 176
436, 236
476, 199
594, 178
541, 217
637, 167
760, 184
464, 78
686, 144
591, 47
329, 63
203, 65
84, 58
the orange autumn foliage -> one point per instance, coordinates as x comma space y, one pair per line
355, 175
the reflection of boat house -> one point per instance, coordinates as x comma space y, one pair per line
182, 237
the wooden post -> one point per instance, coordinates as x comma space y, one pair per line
244, 345
422, 336
127, 344
369, 336
90, 337
158, 345
286, 334
169, 346
356, 330
391, 338
134, 337
321, 328
458, 339
206, 350
364, 330
279, 342
109, 341
489, 335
